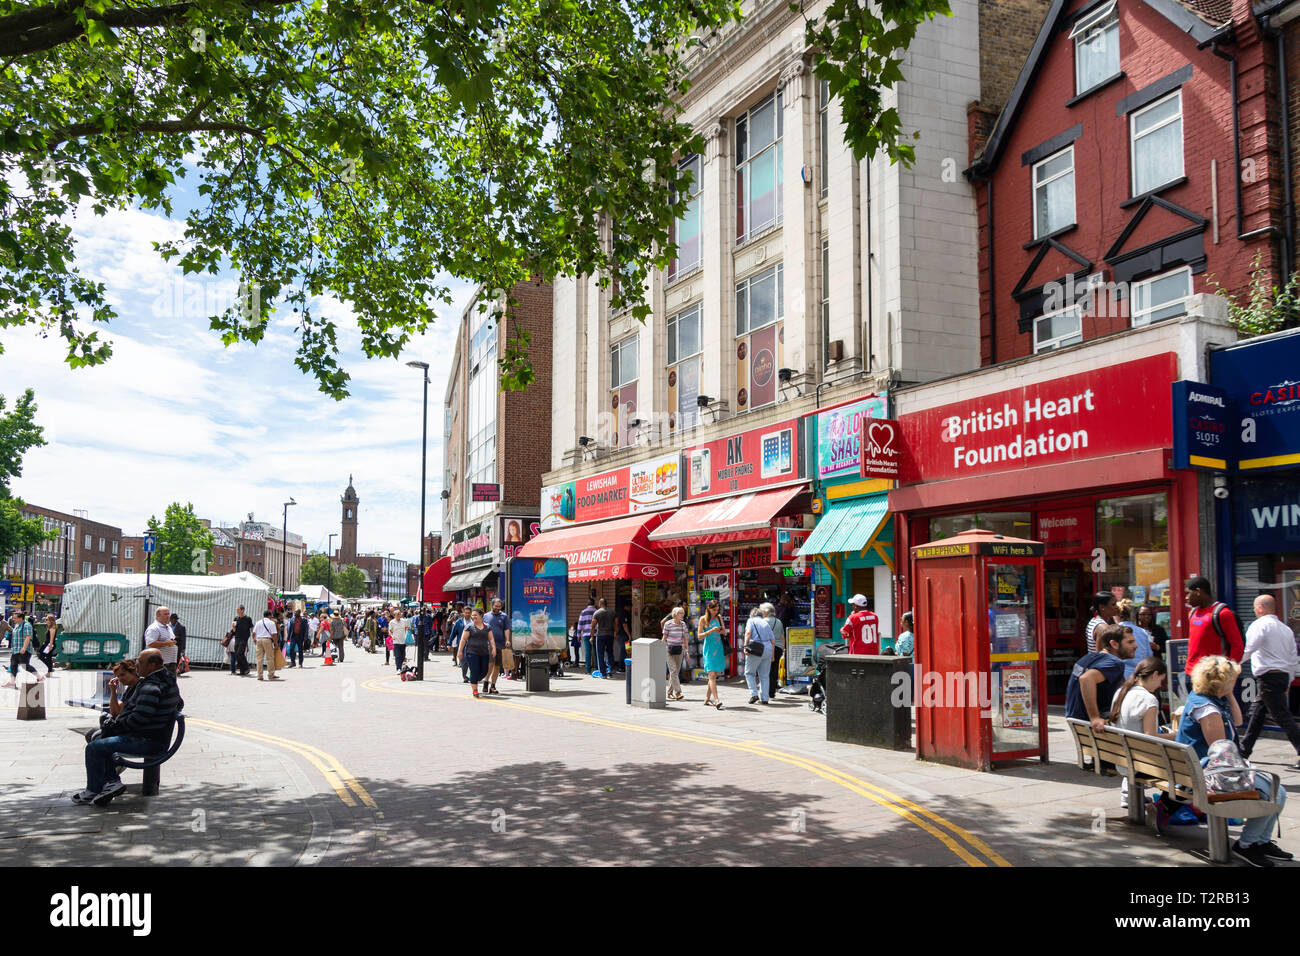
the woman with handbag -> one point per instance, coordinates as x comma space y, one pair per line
760, 643
715, 651
673, 629
45, 648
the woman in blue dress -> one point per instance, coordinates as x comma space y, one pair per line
715, 652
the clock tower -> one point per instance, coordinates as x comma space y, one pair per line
348, 544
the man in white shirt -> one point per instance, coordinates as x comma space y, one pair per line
159, 636
1271, 650
264, 634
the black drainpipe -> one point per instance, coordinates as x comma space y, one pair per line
1288, 262
993, 289
1236, 131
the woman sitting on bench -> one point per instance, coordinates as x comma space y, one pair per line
1137, 708
1211, 713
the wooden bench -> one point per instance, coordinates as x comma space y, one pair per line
150, 765
1172, 768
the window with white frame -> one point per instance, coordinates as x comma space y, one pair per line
100, 568
87, 542
115, 547
686, 230
1160, 297
101, 544
129, 553
824, 129
622, 362
758, 167
684, 361
85, 569
1054, 193
481, 414
826, 303
1096, 47
760, 299
1058, 329
1156, 137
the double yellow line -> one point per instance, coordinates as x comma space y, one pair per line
336, 775
945, 831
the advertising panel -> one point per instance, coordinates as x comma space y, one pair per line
762, 367
471, 545
800, 664
1067, 531
538, 596
1268, 516
838, 436
1263, 381
786, 543
646, 486
1063, 420
760, 458
1204, 430
514, 532
882, 448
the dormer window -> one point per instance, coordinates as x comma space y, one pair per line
1096, 47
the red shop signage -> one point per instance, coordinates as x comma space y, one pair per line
1109, 410
760, 458
881, 442
1067, 531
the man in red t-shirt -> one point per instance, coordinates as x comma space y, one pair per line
862, 629
1203, 638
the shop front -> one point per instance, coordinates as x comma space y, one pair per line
1079, 462
1259, 518
601, 524
851, 550
746, 510
473, 569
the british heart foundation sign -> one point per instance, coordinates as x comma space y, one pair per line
881, 441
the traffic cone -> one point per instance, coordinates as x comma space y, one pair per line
329, 656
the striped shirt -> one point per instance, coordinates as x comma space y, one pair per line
584, 621
675, 632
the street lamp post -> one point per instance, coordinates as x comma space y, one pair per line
284, 546
329, 561
424, 457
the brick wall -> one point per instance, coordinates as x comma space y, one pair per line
524, 418
1291, 32
1007, 31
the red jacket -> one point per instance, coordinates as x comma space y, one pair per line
862, 631
1204, 641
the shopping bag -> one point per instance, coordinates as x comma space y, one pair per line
280, 660
507, 659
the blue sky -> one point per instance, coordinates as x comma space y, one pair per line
176, 416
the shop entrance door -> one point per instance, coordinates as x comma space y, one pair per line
1067, 585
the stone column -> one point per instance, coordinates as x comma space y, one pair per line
718, 228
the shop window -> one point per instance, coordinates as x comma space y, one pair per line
686, 230
758, 167
1134, 533
1054, 193
760, 299
1162, 297
1012, 524
1156, 136
1096, 47
1058, 329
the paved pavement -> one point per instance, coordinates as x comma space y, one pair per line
348, 765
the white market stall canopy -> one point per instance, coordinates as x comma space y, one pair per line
320, 594
116, 604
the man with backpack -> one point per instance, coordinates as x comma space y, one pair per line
1211, 626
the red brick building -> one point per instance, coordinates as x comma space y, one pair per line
1106, 187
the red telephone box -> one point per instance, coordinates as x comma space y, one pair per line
981, 679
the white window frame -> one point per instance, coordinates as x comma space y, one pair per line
743, 167
616, 361
1084, 30
686, 417
679, 267
826, 302
1139, 318
1133, 142
1036, 185
1052, 344
744, 285
824, 134
129, 553
101, 544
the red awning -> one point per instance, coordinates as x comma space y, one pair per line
745, 517
435, 576
607, 551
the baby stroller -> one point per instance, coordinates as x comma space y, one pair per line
817, 690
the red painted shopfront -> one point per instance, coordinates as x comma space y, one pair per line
1079, 462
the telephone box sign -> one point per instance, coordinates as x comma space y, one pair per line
759, 458
1074, 418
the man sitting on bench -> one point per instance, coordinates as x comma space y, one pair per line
143, 728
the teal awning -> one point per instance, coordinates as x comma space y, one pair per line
848, 526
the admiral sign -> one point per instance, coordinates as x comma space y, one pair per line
1204, 427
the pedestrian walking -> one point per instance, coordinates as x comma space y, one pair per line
498, 623
299, 635
603, 621
338, 633
20, 648
476, 646
1102, 610
1271, 650
778, 647
674, 631
264, 632
714, 650
759, 645
46, 641
862, 630
179, 634
1211, 626
586, 634
398, 631
159, 637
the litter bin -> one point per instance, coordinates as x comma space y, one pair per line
538, 673
31, 700
861, 698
